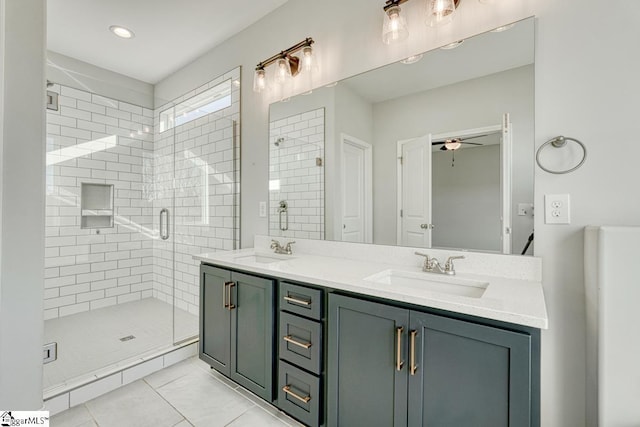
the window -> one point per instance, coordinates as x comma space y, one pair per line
211, 100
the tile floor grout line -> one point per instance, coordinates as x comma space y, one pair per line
169, 403
90, 413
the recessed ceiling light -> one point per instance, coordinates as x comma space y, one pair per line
334, 84
452, 45
503, 28
412, 59
122, 32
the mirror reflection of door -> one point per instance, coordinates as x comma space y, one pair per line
415, 192
460, 196
356, 180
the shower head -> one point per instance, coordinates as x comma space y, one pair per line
49, 83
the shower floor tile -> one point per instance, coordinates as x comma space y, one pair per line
185, 394
91, 341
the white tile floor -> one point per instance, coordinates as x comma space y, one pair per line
89, 342
186, 394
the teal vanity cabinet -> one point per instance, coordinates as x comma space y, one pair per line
236, 327
391, 366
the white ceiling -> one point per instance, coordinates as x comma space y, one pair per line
482, 55
169, 34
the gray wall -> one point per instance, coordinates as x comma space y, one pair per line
22, 118
464, 105
466, 199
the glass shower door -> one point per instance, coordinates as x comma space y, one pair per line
206, 183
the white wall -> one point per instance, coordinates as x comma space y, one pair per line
22, 183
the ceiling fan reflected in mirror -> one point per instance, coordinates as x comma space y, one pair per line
451, 144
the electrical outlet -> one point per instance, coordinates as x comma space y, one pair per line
557, 209
263, 209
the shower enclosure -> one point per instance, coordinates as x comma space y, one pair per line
132, 194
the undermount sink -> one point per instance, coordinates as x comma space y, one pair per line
262, 258
410, 282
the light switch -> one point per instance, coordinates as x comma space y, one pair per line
525, 209
263, 209
557, 209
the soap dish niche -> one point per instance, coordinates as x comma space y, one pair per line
96, 205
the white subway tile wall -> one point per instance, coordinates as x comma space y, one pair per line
92, 139
296, 175
95, 139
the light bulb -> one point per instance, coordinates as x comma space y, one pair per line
308, 60
394, 28
283, 72
440, 12
453, 144
259, 81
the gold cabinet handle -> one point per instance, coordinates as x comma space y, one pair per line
287, 389
413, 368
229, 305
289, 338
297, 301
224, 295
399, 361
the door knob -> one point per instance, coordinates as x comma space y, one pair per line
427, 226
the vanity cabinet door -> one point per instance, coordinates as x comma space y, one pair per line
215, 318
252, 333
365, 386
467, 374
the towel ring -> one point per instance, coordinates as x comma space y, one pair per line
559, 142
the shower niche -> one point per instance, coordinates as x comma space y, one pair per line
96, 205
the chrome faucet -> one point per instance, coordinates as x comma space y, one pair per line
432, 265
277, 248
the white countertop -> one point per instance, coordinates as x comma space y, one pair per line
506, 299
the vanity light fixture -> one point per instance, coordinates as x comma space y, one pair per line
287, 65
394, 27
122, 32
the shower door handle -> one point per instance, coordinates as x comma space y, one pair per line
164, 226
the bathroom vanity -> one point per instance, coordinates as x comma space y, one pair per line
365, 337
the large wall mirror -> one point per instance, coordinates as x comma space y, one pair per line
434, 151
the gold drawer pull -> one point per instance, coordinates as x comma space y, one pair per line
413, 368
297, 301
289, 338
399, 361
287, 389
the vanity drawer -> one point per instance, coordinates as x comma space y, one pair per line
301, 342
301, 300
299, 394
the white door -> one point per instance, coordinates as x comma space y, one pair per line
356, 191
415, 180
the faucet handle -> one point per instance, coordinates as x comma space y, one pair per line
426, 266
448, 266
288, 246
